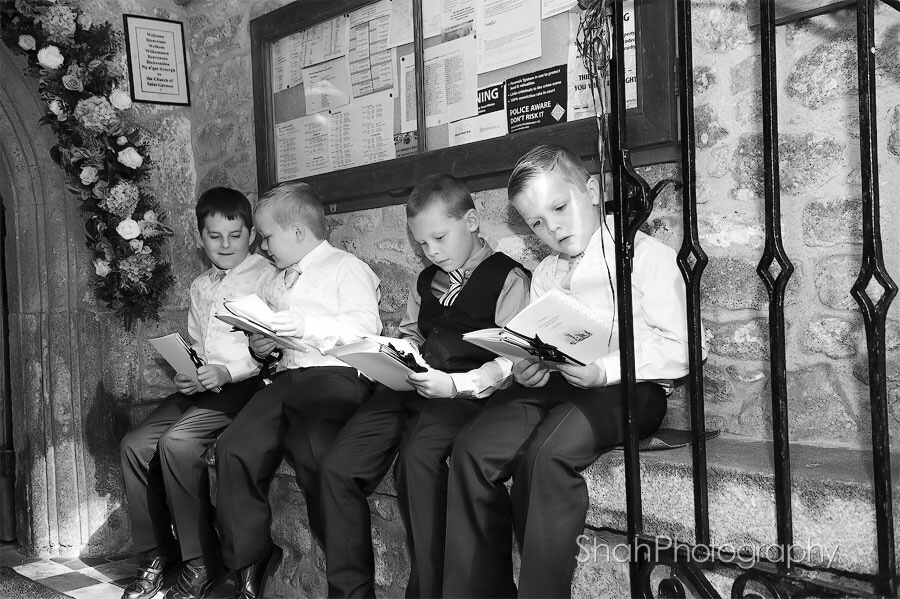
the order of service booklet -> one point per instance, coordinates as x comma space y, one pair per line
252, 315
178, 354
554, 328
388, 361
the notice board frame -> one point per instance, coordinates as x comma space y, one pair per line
651, 128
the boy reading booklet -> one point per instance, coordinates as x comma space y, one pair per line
467, 286
165, 476
322, 297
548, 427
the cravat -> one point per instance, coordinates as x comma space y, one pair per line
217, 276
456, 281
291, 274
573, 262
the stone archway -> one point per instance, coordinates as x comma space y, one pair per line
68, 494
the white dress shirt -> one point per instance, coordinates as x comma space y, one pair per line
336, 293
659, 302
213, 340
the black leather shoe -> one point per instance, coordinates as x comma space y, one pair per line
251, 580
147, 580
196, 581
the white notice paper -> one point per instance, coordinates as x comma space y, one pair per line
490, 122
554, 7
431, 18
408, 116
362, 131
326, 85
287, 150
450, 81
580, 99
401, 23
509, 32
371, 57
630, 55
457, 17
295, 59
280, 56
315, 154
325, 41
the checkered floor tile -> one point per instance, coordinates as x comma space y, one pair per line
87, 578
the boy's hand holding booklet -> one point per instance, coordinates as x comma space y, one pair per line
252, 315
556, 328
180, 356
388, 361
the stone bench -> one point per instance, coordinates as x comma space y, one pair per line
832, 501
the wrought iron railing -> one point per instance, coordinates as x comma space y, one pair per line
632, 203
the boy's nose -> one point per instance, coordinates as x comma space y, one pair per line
226, 243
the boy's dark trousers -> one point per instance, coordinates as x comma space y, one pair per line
298, 417
423, 430
163, 456
543, 438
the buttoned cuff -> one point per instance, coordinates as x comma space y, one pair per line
465, 384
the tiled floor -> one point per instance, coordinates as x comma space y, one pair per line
88, 577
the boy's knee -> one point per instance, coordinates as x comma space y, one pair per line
131, 443
336, 468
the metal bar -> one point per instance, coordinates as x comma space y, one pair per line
775, 285
875, 314
419, 50
692, 272
633, 508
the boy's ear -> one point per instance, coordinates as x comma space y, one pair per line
593, 187
299, 231
472, 220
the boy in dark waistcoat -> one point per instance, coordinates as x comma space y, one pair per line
467, 287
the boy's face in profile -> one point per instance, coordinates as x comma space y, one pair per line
447, 241
560, 214
226, 241
282, 244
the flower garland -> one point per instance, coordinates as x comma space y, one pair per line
101, 151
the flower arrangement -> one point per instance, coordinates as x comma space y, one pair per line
77, 64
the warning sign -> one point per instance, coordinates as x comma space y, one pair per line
537, 99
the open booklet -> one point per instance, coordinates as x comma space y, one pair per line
388, 361
556, 328
252, 315
178, 354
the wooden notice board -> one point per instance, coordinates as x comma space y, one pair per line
335, 88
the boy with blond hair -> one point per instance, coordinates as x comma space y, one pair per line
548, 427
468, 286
323, 297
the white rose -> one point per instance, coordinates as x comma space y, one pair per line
122, 140
136, 245
131, 158
119, 99
50, 57
26, 42
85, 21
128, 229
101, 267
89, 174
56, 107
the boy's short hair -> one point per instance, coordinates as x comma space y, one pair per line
443, 189
543, 159
295, 202
225, 201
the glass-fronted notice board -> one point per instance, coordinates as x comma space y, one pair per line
336, 87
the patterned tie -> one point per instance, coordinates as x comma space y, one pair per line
573, 262
217, 276
456, 281
291, 274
